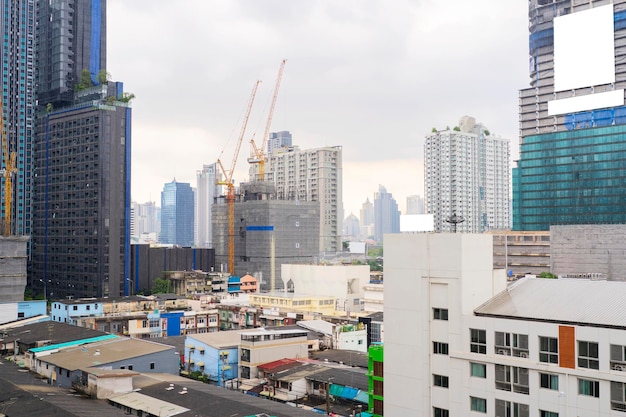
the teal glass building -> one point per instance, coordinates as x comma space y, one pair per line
572, 166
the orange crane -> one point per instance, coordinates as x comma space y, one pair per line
228, 182
258, 154
7, 172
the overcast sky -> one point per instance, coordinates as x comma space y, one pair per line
374, 76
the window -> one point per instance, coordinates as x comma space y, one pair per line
618, 357
588, 355
478, 404
379, 388
587, 387
510, 409
478, 370
511, 343
151, 365
548, 349
74, 308
618, 396
478, 342
440, 348
130, 367
440, 313
440, 412
544, 413
549, 381
245, 355
440, 381
512, 378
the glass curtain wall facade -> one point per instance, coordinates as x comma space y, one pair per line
18, 104
177, 214
573, 128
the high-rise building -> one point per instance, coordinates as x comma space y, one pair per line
82, 153
207, 191
177, 214
351, 226
467, 177
573, 117
81, 210
145, 219
311, 175
17, 27
278, 140
366, 217
386, 214
414, 204
269, 232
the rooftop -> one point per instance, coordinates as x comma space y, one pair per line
565, 300
51, 332
97, 354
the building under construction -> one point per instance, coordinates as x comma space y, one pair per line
268, 233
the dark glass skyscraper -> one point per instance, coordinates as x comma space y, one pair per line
81, 204
386, 214
17, 26
177, 214
572, 167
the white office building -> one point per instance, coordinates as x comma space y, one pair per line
539, 348
467, 175
206, 191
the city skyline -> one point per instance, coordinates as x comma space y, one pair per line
360, 78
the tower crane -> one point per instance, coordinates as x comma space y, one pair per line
228, 182
7, 172
258, 154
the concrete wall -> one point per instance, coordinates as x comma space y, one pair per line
345, 282
12, 268
422, 272
586, 249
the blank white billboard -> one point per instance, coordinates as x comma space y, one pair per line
584, 49
613, 98
357, 247
417, 223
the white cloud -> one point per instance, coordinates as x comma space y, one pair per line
373, 77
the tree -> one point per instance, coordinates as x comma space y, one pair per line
549, 275
85, 80
103, 76
457, 129
126, 97
375, 265
434, 130
487, 133
161, 286
346, 244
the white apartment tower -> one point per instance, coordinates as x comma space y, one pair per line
311, 175
467, 174
206, 191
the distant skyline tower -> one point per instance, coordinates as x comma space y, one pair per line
278, 140
177, 214
146, 219
467, 175
18, 104
206, 192
572, 117
386, 214
414, 204
351, 226
81, 204
366, 217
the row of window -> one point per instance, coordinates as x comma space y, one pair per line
513, 344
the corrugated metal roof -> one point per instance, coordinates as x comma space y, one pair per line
565, 300
96, 354
150, 405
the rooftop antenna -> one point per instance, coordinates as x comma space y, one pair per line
454, 220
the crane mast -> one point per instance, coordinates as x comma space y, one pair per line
230, 187
7, 172
258, 154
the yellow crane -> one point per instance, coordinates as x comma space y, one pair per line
258, 153
7, 172
228, 182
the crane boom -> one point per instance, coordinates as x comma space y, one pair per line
228, 182
258, 154
7, 171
